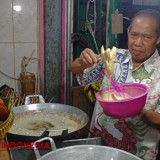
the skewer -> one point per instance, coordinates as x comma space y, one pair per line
109, 59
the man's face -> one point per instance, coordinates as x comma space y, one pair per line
142, 38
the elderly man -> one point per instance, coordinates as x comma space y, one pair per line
140, 63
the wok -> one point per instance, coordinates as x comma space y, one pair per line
56, 112
83, 152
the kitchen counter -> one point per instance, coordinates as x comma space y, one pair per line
4, 153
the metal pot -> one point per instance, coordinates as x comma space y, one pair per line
44, 109
83, 152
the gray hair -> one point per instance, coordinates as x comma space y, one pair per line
150, 13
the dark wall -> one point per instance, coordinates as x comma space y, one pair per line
52, 20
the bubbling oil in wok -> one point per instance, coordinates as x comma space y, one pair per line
35, 122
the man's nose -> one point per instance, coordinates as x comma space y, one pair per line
139, 41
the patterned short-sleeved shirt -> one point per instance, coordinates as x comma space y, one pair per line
132, 134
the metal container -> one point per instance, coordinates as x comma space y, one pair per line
82, 119
28, 153
83, 152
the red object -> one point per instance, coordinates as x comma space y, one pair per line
3, 112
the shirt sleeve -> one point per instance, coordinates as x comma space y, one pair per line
92, 74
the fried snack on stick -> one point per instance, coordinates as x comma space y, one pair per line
109, 58
111, 96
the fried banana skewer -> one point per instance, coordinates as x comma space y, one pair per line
109, 58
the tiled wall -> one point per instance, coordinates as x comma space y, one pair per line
18, 38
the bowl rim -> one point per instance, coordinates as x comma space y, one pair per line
98, 97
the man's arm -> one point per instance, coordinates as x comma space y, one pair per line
77, 67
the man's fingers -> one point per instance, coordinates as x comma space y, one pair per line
89, 57
86, 59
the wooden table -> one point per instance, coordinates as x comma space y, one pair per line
4, 153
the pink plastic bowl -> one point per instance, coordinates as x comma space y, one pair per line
127, 107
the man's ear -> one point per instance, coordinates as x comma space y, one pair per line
128, 29
158, 41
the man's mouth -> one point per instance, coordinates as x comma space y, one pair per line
136, 52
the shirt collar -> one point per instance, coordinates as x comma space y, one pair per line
148, 64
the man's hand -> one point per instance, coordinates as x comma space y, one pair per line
86, 59
152, 117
